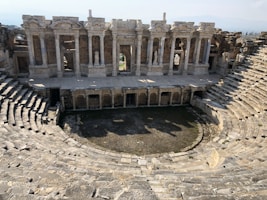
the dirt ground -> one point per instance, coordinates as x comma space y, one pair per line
138, 131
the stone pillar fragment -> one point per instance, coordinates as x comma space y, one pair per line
162, 42
102, 56
187, 53
150, 51
208, 51
31, 49
138, 61
77, 56
90, 52
159, 103
172, 57
198, 51
43, 49
114, 54
58, 55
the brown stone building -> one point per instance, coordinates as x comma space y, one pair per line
65, 46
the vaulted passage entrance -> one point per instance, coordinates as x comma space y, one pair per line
68, 62
125, 58
23, 65
131, 100
54, 96
93, 101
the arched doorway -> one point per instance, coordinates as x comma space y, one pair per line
80, 102
125, 56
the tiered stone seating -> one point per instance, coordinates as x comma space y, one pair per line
241, 90
228, 164
20, 106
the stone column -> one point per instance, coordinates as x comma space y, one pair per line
31, 49
136, 98
182, 96
124, 99
90, 52
204, 51
172, 56
43, 49
138, 61
208, 51
159, 93
58, 54
162, 42
73, 101
198, 51
192, 95
112, 98
148, 97
150, 51
114, 54
171, 98
87, 100
187, 53
100, 100
102, 54
77, 55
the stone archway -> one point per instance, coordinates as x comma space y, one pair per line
125, 58
80, 102
153, 99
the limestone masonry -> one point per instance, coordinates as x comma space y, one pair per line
49, 66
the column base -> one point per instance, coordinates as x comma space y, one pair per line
137, 73
170, 72
59, 74
114, 73
78, 74
155, 70
185, 73
97, 71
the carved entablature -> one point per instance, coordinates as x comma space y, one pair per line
180, 29
96, 25
128, 27
206, 27
33, 23
65, 23
158, 26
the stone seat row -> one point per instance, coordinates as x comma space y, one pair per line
240, 95
21, 106
168, 180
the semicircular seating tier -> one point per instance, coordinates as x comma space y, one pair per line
40, 161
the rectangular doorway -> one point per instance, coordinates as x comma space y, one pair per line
54, 96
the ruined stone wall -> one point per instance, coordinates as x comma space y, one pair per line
50, 48
83, 44
108, 47
37, 50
